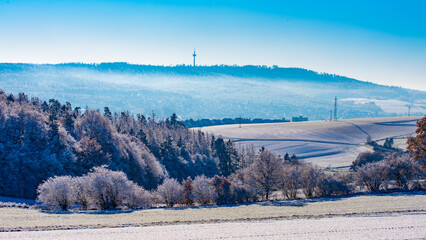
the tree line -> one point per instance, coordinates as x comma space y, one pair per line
41, 139
87, 159
268, 177
212, 122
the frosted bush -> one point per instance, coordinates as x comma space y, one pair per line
203, 191
100, 188
81, 188
138, 198
170, 192
108, 189
56, 192
373, 175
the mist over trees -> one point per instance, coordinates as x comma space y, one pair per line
209, 92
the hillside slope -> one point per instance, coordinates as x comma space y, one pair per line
326, 143
210, 91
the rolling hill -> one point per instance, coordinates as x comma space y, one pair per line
209, 91
325, 143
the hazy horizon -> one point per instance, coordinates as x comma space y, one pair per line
382, 42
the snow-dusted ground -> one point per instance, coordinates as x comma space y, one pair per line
335, 143
391, 226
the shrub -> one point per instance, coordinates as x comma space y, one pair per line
223, 190
309, 178
203, 191
101, 188
329, 185
402, 169
241, 190
56, 191
138, 198
188, 198
108, 189
170, 192
81, 188
373, 175
290, 181
364, 158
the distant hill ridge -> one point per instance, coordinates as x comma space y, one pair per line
212, 92
246, 71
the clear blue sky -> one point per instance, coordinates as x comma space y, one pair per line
382, 41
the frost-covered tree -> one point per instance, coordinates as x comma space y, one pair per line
138, 197
265, 173
56, 191
290, 183
203, 191
108, 189
310, 176
402, 169
170, 192
40, 139
373, 175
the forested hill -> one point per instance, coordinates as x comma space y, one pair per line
248, 71
209, 91
40, 139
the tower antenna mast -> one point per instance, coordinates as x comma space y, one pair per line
194, 55
335, 108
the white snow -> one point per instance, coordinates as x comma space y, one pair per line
391, 226
326, 143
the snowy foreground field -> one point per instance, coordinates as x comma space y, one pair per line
388, 226
19, 219
325, 143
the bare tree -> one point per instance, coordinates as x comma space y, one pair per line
265, 173
309, 178
290, 180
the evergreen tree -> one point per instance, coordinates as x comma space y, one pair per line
107, 113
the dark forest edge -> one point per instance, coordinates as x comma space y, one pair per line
249, 71
91, 160
190, 123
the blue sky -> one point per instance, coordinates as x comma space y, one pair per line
382, 41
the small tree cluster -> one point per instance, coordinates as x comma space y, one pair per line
101, 188
395, 168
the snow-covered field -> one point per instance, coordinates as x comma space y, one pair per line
388, 226
19, 219
326, 143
